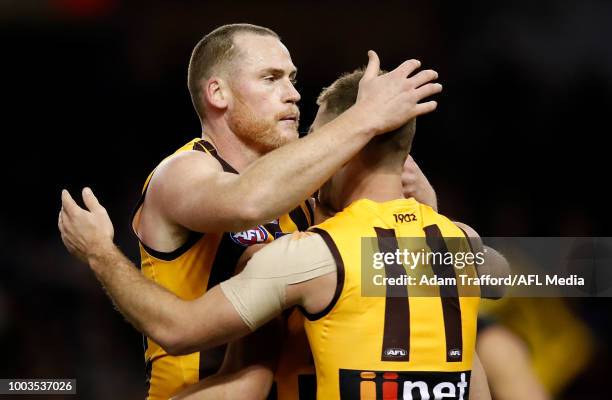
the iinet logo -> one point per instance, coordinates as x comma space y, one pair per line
443, 390
404, 385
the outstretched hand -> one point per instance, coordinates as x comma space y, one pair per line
84, 231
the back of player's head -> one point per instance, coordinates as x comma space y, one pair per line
214, 53
393, 147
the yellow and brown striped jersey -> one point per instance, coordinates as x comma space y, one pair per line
395, 345
205, 260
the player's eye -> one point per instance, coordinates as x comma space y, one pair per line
294, 81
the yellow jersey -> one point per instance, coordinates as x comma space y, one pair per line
203, 261
394, 346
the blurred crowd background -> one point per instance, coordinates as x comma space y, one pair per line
95, 93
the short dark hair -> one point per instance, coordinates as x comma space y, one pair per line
215, 49
342, 94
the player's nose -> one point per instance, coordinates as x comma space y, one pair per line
291, 94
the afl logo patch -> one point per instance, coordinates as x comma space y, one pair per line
395, 352
250, 237
454, 353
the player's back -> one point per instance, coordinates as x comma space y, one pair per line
380, 341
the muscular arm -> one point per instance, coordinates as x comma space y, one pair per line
384, 103
276, 278
506, 360
150, 308
181, 326
159, 314
479, 386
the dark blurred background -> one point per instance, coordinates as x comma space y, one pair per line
95, 93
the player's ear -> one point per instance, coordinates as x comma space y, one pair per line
217, 92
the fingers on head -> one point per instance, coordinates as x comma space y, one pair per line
406, 68
427, 107
373, 66
423, 77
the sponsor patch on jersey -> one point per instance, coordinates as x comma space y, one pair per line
404, 385
395, 352
250, 236
454, 353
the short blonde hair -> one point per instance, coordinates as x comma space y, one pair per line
342, 94
214, 50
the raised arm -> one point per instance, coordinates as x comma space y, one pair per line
384, 102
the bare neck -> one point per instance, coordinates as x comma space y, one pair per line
229, 146
362, 181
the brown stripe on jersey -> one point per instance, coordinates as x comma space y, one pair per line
148, 370
222, 268
192, 239
137, 207
224, 265
310, 211
203, 145
135, 211
396, 334
307, 386
339, 279
299, 218
449, 296
211, 360
273, 229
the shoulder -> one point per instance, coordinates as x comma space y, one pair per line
472, 236
297, 243
469, 231
295, 250
182, 170
176, 176
186, 163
